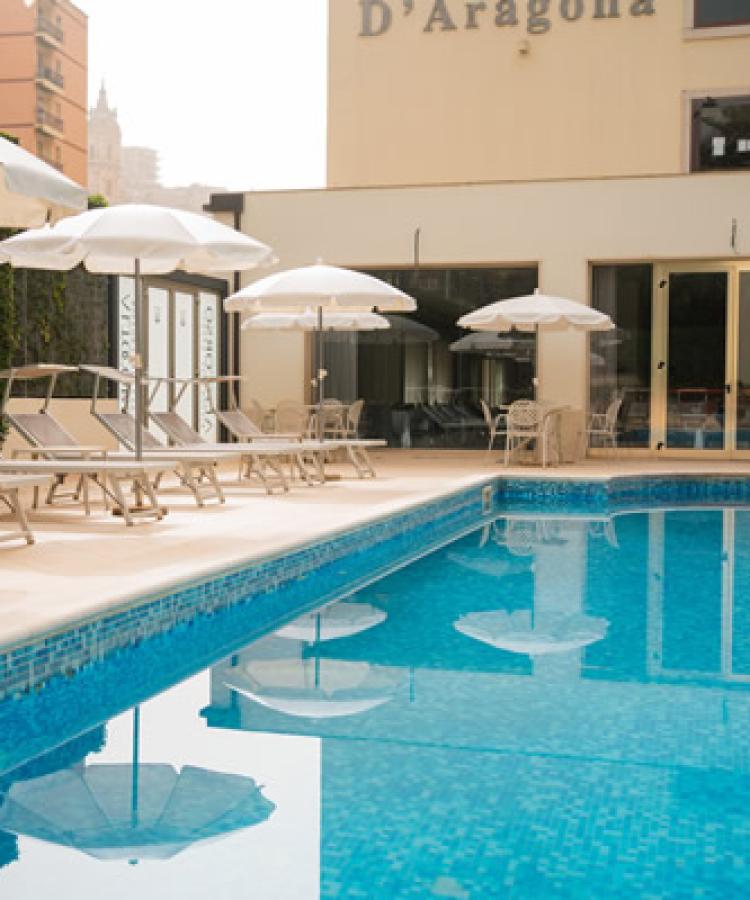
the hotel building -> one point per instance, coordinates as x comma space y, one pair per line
596, 149
43, 81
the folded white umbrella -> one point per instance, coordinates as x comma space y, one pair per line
319, 287
136, 240
33, 192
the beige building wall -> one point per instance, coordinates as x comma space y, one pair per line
43, 81
561, 226
594, 97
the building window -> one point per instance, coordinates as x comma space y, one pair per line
423, 378
720, 134
721, 13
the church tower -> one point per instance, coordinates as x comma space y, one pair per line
105, 150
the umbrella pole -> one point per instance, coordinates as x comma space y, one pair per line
536, 361
136, 745
321, 375
138, 362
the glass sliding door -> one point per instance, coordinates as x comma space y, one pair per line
743, 363
621, 359
697, 384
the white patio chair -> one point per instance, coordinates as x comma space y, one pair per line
604, 425
292, 418
351, 419
529, 423
493, 423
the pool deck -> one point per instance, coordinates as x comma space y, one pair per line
81, 568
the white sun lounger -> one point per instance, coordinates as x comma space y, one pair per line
242, 428
109, 475
10, 486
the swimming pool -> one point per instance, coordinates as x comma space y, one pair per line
550, 700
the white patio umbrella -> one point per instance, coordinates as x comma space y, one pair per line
136, 240
33, 192
319, 287
339, 620
517, 632
534, 312
315, 688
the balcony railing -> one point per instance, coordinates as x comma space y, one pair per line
45, 117
51, 75
45, 26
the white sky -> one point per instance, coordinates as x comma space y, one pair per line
231, 93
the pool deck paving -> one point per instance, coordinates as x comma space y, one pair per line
80, 568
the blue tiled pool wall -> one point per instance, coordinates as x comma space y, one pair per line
367, 550
135, 654
616, 494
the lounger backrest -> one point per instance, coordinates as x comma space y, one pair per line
176, 428
235, 421
122, 426
41, 430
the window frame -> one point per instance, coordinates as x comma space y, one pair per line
694, 103
698, 26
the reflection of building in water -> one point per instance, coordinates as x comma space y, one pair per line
533, 748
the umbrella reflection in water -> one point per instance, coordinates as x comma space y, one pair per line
339, 620
315, 688
517, 632
133, 811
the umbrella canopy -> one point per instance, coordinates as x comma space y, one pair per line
534, 311
516, 632
319, 287
97, 810
135, 240
161, 239
337, 621
483, 342
333, 320
403, 330
32, 192
315, 688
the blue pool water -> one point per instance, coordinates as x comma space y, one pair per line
551, 705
